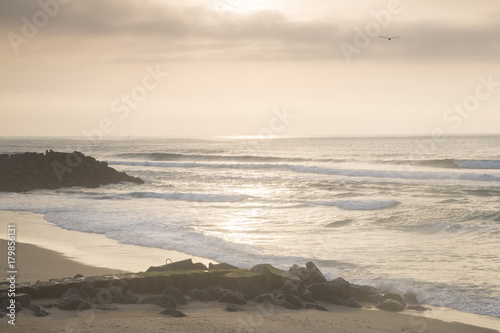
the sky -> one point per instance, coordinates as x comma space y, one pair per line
103, 68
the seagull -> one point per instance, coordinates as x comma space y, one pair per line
389, 38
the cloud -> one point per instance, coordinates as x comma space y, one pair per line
126, 31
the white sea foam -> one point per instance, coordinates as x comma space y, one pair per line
196, 197
361, 204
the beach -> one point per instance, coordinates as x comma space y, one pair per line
60, 259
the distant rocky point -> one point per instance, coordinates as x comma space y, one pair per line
53, 170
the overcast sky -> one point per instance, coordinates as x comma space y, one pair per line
241, 67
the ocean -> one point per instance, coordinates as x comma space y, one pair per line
415, 214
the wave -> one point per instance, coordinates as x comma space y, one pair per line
389, 174
363, 204
461, 164
206, 157
195, 197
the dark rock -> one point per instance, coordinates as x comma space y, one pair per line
352, 303
88, 288
376, 298
126, 297
179, 297
78, 276
290, 288
178, 265
294, 300
232, 297
41, 313
390, 305
319, 289
233, 308
309, 274
315, 306
275, 277
267, 297
363, 293
332, 299
105, 307
74, 299
34, 308
6, 303
221, 266
48, 305
173, 312
30, 171
201, 295
253, 288
307, 296
340, 287
216, 291
395, 297
419, 308
165, 301
24, 299
289, 306
103, 296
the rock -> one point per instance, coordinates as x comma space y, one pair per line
266, 297
216, 291
294, 300
179, 297
126, 297
165, 301
332, 299
103, 296
309, 274
307, 296
78, 276
48, 305
34, 308
201, 295
178, 265
41, 313
362, 293
419, 308
275, 277
105, 307
30, 171
232, 297
290, 288
390, 305
395, 297
173, 312
253, 288
340, 287
6, 303
233, 308
221, 266
289, 306
352, 303
319, 289
74, 299
376, 298
315, 306
24, 299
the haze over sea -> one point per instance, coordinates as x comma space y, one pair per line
411, 214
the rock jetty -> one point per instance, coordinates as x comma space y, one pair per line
53, 170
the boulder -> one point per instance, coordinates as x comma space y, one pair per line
332, 299
74, 299
390, 305
201, 295
309, 274
233, 308
24, 299
315, 306
173, 312
395, 297
177, 293
178, 265
352, 303
216, 291
294, 300
232, 297
363, 293
165, 301
123, 297
221, 266
376, 298
340, 287
276, 277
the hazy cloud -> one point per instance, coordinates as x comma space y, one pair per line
140, 31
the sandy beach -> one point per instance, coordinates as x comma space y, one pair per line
67, 258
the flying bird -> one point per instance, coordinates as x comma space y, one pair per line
389, 38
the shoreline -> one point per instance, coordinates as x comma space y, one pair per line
87, 249
52, 252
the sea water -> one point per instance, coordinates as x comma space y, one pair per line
412, 214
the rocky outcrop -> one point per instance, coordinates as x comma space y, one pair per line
53, 170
